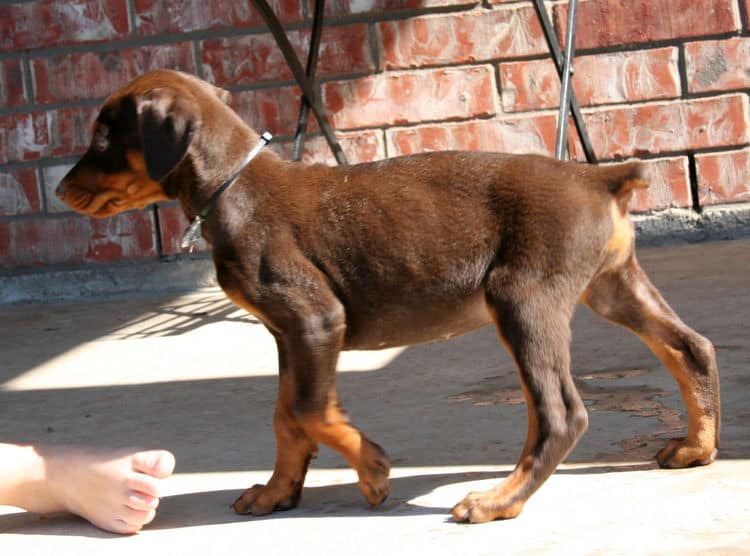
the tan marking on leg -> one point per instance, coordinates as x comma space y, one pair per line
367, 458
294, 449
482, 507
627, 297
241, 301
699, 447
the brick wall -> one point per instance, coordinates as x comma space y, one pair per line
664, 80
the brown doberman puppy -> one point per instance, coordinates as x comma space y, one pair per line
398, 252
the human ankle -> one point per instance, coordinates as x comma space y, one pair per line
26, 478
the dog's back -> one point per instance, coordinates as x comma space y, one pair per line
440, 223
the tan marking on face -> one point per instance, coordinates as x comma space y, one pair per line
136, 162
99, 194
103, 195
139, 189
147, 186
116, 183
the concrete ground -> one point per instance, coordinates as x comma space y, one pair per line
192, 374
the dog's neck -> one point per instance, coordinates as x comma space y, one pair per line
207, 167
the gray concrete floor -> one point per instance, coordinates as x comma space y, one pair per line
196, 376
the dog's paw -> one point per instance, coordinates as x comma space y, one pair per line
679, 453
264, 499
373, 474
481, 507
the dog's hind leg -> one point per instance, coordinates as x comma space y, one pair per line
534, 325
624, 295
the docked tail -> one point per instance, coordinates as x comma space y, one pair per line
622, 179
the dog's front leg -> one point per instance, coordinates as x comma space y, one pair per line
294, 450
313, 353
309, 324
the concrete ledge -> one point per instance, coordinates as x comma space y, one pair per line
667, 227
106, 280
687, 226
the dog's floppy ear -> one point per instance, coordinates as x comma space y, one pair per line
166, 124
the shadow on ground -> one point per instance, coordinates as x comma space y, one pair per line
204, 508
454, 404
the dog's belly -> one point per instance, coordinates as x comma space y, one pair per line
405, 324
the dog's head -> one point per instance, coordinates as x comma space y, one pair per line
143, 132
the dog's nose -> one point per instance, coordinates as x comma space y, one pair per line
60, 191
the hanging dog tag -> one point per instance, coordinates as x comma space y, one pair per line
192, 234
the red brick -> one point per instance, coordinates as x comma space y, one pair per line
616, 22
256, 58
273, 110
76, 240
359, 146
669, 126
23, 136
39, 134
459, 38
723, 177
11, 83
50, 23
404, 97
668, 185
96, 75
349, 7
70, 130
600, 79
172, 225
177, 16
516, 135
19, 192
718, 65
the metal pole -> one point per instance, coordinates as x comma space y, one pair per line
312, 60
562, 118
299, 75
557, 57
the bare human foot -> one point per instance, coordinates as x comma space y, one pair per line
116, 490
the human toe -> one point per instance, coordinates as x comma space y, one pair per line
157, 463
129, 521
142, 501
137, 518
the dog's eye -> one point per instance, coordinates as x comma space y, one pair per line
100, 141
101, 144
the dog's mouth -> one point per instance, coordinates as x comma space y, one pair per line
111, 207
109, 195
98, 205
